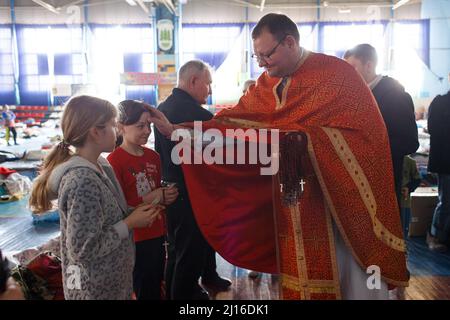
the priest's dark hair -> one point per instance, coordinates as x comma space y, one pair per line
279, 25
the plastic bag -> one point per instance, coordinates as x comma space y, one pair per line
17, 184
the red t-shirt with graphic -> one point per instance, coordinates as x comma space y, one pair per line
138, 176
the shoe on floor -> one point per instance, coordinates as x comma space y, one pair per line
217, 283
434, 244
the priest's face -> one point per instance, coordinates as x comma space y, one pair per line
273, 54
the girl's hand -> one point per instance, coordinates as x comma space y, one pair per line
154, 197
143, 216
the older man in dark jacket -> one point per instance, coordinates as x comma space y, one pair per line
190, 256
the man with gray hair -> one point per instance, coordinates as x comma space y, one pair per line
190, 256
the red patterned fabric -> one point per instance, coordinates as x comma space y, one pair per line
349, 181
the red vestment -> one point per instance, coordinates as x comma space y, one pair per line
349, 180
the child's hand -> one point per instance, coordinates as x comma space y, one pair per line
154, 197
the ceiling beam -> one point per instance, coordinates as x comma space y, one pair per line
142, 5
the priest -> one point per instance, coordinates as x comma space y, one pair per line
327, 220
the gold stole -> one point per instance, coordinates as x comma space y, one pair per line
306, 248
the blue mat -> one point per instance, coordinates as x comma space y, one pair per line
423, 262
15, 209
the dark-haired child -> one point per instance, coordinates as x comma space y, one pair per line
138, 170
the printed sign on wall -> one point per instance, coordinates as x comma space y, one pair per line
165, 34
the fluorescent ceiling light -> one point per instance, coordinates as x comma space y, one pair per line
263, 2
399, 4
345, 10
131, 2
47, 6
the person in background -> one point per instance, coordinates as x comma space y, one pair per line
439, 162
411, 180
395, 104
9, 119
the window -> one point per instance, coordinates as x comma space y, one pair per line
410, 54
336, 38
50, 57
210, 43
118, 49
6, 67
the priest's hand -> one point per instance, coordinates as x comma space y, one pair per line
161, 122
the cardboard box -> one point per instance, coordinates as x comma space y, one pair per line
423, 203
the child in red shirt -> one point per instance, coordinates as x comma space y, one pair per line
138, 170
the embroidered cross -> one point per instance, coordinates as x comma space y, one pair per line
316, 241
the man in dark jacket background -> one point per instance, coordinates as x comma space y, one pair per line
439, 162
190, 256
395, 104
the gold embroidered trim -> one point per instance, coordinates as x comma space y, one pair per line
283, 94
244, 123
290, 282
274, 91
359, 178
299, 251
316, 286
334, 266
